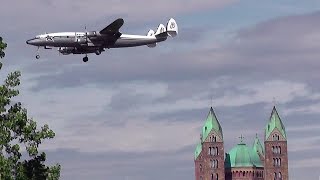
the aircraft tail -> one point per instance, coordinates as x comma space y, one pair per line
172, 28
161, 29
161, 33
151, 33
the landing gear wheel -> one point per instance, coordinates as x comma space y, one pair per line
37, 56
85, 59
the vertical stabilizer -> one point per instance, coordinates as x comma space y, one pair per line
172, 28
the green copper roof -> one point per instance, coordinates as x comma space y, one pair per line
257, 149
211, 123
197, 151
240, 156
257, 146
243, 156
275, 123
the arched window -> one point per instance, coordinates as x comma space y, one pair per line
217, 176
217, 151
244, 174
279, 150
209, 151
200, 167
279, 162
216, 163
201, 178
272, 149
274, 162
275, 176
276, 137
280, 176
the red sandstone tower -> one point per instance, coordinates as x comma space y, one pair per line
276, 154
242, 162
209, 154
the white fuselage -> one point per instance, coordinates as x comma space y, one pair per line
75, 39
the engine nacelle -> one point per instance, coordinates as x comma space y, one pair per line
67, 50
92, 34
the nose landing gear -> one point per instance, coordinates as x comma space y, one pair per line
38, 56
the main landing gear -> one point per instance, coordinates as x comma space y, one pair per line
85, 59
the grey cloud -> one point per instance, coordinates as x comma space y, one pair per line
133, 165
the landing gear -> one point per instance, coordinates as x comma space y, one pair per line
38, 56
85, 59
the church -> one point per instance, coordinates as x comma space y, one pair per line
257, 161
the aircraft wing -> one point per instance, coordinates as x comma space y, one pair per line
113, 28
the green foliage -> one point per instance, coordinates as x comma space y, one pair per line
3, 46
16, 131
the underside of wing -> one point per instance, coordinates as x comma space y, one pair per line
113, 28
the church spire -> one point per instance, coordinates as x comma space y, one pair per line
211, 124
275, 123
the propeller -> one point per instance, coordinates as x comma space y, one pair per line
85, 27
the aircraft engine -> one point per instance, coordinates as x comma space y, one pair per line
67, 50
92, 34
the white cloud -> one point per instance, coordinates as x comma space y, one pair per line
305, 163
304, 144
82, 116
283, 91
305, 109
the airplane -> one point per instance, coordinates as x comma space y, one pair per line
97, 41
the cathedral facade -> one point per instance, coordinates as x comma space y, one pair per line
267, 161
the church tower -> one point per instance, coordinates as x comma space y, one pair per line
209, 153
276, 154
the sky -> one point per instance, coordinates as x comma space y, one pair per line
137, 113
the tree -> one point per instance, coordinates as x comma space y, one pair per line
16, 131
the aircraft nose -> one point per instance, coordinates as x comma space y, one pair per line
31, 41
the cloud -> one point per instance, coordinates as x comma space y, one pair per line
97, 11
